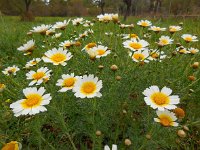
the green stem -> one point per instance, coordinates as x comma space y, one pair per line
93, 119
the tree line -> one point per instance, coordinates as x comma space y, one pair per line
30, 8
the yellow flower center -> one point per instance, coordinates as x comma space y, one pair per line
2, 86
90, 45
156, 29
139, 56
133, 35
136, 46
164, 41
34, 62
144, 24
33, 100
13, 145
172, 29
38, 75
182, 51
115, 17
165, 120
69, 82
159, 98
193, 51
67, 44
154, 55
88, 87
101, 51
58, 57
12, 70
106, 18
83, 35
188, 39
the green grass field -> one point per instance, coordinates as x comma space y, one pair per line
121, 113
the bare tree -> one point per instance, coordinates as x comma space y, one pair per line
100, 3
128, 8
155, 6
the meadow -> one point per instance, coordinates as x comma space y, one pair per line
121, 115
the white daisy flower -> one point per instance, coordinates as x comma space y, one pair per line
140, 56
131, 36
101, 51
189, 38
39, 76
160, 100
57, 56
135, 45
28, 47
32, 62
88, 87
89, 31
182, 50
57, 35
166, 118
144, 23
88, 23
41, 29
115, 17
83, 35
61, 25
33, 103
66, 44
173, 29
67, 82
193, 50
165, 40
50, 31
92, 53
11, 70
157, 55
105, 17
77, 21
108, 33
126, 26
157, 29
114, 147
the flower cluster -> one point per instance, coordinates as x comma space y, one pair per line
162, 101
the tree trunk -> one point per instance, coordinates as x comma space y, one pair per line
27, 4
157, 6
151, 6
128, 8
27, 14
102, 7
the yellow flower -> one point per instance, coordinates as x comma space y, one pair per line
57, 56
189, 38
160, 100
67, 82
33, 103
166, 118
2, 87
88, 86
13, 145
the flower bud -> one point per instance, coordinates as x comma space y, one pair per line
192, 78
98, 133
181, 133
114, 67
127, 142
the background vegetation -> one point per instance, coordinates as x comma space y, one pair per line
90, 8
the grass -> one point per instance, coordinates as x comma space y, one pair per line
121, 112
